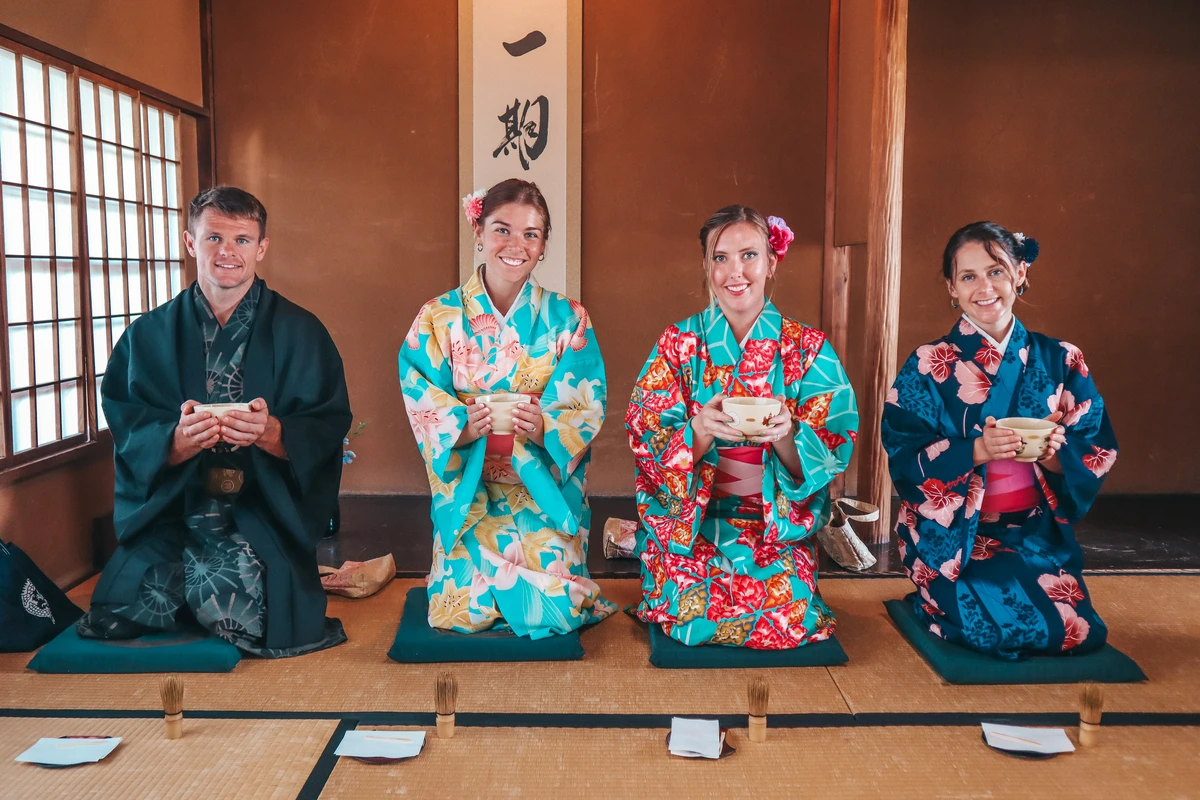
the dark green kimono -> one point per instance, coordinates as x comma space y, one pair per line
244, 565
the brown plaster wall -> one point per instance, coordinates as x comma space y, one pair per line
344, 121
1075, 122
156, 42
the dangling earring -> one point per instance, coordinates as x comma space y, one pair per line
1020, 290
479, 248
953, 303
542, 257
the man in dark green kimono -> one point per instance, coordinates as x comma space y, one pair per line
218, 519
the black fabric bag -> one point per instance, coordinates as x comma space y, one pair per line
33, 610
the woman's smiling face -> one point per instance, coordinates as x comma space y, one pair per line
513, 239
741, 264
985, 286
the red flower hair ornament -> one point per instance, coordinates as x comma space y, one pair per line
780, 236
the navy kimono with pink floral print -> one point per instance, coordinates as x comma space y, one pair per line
1009, 584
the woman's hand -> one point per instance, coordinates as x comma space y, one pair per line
711, 423
779, 430
528, 422
1058, 438
479, 423
996, 444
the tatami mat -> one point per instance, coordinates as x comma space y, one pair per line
863, 763
1153, 619
225, 758
613, 678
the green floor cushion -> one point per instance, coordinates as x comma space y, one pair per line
185, 651
417, 643
667, 653
958, 664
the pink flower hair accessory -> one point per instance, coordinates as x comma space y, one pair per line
780, 236
473, 205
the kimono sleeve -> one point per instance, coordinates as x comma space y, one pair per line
826, 417
313, 408
1091, 447
912, 435
935, 475
660, 435
435, 413
575, 399
142, 412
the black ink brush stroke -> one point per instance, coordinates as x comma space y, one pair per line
532, 41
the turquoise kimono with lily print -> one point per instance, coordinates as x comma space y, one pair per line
510, 516
733, 562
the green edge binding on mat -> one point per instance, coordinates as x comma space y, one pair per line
417, 643
666, 653
188, 651
957, 664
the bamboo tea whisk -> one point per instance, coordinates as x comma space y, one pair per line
1091, 706
172, 697
445, 697
759, 694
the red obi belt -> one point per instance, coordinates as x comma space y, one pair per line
739, 471
497, 458
1011, 486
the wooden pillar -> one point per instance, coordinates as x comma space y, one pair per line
835, 299
885, 203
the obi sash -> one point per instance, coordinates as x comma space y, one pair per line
1011, 486
739, 471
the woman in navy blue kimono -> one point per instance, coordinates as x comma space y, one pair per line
988, 540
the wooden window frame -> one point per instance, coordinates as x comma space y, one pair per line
93, 442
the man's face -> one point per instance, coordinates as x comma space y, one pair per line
226, 249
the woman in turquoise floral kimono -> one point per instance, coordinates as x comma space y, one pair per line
989, 540
726, 528
509, 511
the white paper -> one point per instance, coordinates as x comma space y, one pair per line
1030, 740
381, 744
695, 738
66, 752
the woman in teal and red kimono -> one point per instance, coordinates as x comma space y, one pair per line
988, 540
726, 529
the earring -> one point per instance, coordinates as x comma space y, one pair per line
1020, 290
953, 303
542, 257
479, 248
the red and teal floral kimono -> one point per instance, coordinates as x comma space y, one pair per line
991, 548
725, 545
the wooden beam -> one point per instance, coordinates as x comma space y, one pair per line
835, 301
206, 136
835, 294
885, 204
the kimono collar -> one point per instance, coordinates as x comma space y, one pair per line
718, 333
968, 337
1002, 346
242, 316
476, 288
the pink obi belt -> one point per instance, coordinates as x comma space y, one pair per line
739, 471
1011, 486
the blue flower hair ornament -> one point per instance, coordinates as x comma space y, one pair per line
1027, 248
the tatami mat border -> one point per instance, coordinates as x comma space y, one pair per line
513, 720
